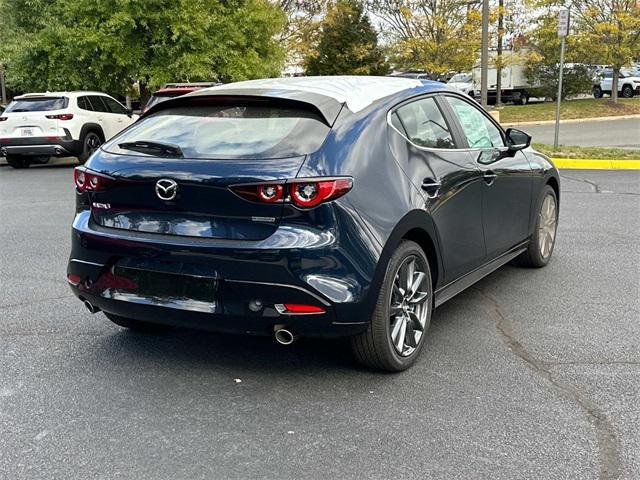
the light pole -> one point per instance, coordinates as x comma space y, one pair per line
484, 54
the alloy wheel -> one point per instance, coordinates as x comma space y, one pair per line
408, 306
547, 226
93, 143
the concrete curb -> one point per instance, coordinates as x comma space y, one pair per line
571, 120
596, 164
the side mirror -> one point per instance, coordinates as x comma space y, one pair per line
130, 112
517, 139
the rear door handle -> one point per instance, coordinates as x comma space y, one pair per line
431, 186
489, 177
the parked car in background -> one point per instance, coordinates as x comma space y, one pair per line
416, 74
311, 206
172, 90
515, 87
628, 83
37, 126
463, 82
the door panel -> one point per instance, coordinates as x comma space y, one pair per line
450, 183
507, 179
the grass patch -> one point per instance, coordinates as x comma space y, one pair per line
585, 108
602, 153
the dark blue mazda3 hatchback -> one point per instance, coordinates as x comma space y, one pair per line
319, 206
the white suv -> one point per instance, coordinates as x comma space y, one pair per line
628, 83
37, 126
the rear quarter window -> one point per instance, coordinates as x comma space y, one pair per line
229, 132
38, 104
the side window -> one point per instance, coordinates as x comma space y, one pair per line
83, 104
98, 104
425, 125
478, 129
114, 106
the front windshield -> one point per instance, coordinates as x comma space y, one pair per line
461, 78
630, 72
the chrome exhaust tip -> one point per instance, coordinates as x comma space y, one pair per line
58, 151
284, 336
91, 307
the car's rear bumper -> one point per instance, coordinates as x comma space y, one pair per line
37, 146
245, 274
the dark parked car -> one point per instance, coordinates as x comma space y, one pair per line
324, 207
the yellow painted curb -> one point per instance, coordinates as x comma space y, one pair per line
595, 164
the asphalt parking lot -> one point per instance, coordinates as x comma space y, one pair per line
530, 374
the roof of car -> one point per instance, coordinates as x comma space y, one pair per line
357, 92
60, 94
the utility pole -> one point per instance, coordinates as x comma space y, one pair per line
499, 53
563, 31
3, 90
484, 53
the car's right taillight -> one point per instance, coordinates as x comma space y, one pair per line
2, 119
303, 193
88, 180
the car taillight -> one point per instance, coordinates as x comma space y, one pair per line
60, 116
2, 119
86, 180
303, 193
312, 193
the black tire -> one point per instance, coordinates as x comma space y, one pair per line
137, 325
597, 92
90, 143
523, 100
17, 161
374, 348
536, 256
627, 91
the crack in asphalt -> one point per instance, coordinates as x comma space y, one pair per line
608, 443
594, 185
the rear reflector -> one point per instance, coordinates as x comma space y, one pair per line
298, 309
73, 279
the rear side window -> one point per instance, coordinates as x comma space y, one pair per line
38, 104
83, 104
424, 124
229, 132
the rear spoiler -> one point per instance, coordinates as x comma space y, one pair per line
326, 107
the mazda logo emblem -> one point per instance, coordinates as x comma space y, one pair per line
166, 189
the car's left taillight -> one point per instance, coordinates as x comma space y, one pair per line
88, 180
2, 119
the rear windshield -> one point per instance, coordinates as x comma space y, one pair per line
38, 104
228, 132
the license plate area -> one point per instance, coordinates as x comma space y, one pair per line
26, 132
171, 290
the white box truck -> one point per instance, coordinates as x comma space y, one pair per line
515, 86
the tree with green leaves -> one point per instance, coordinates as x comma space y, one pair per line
347, 44
111, 44
542, 62
434, 35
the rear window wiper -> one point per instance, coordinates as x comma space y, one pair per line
153, 148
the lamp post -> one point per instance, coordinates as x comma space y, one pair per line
484, 53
